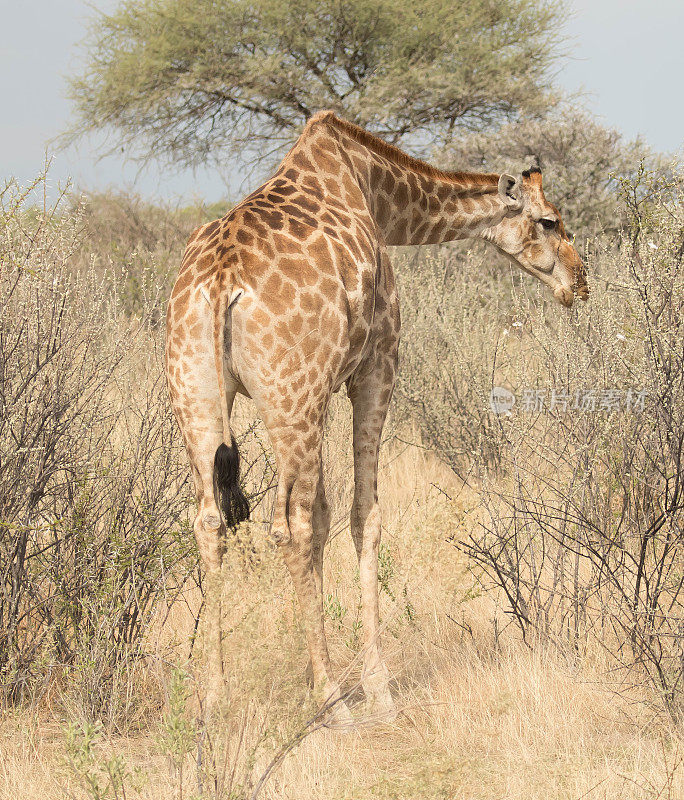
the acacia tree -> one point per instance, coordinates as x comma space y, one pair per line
186, 80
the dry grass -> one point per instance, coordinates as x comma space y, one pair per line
483, 716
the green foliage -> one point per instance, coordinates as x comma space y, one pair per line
100, 777
334, 610
409, 609
186, 79
178, 736
353, 641
386, 570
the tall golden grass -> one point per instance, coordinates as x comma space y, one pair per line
482, 717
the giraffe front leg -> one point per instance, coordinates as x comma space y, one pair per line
321, 530
370, 398
375, 677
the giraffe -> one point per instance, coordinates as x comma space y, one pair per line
289, 297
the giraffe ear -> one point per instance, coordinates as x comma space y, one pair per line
510, 191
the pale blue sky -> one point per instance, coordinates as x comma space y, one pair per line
628, 55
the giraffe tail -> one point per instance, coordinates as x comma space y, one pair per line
227, 490
231, 500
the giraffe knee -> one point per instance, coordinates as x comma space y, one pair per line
299, 537
211, 520
208, 517
280, 534
300, 521
323, 509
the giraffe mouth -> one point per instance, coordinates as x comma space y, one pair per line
564, 295
583, 293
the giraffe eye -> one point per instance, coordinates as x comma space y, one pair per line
547, 224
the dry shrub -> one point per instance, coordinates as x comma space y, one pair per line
93, 492
453, 301
136, 244
583, 525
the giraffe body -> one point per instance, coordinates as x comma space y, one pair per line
290, 296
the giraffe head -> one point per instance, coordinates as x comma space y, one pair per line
532, 234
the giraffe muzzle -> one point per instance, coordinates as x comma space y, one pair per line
564, 295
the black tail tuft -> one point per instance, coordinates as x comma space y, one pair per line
233, 503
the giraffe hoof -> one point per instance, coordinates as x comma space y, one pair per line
380, 705
380, 710
333, 709
339, 717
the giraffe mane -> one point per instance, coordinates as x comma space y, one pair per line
399, 157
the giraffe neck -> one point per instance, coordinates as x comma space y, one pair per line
412, 202
422, 209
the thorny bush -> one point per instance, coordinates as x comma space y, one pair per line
583, 498
94, 498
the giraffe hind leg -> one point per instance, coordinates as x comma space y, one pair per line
321, 530
202, 443
215, 470
297, 534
